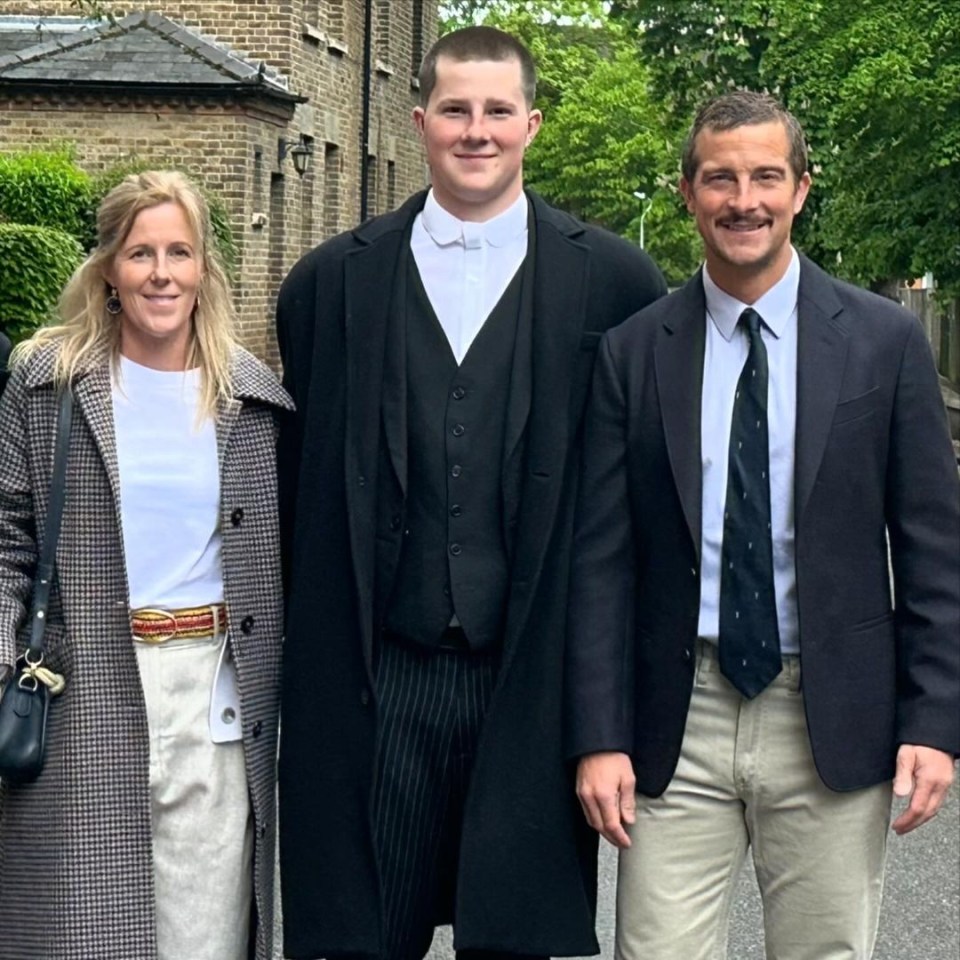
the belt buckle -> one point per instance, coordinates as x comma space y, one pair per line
162, 615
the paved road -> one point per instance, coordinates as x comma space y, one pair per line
921, 915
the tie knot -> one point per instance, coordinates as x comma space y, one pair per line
751, 320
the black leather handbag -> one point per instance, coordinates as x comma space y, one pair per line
26, 697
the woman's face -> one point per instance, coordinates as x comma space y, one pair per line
156, 273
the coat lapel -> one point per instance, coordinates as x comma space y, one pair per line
93, 394
821, 358
679, 372
559, 309
367, 308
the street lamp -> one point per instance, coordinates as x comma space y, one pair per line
644, 210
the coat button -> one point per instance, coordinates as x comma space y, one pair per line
687, 654
459, 393
236, 518
455, 549
246, 625
458, 429
456, 470
395, 521
257, 729
364, 697
456, 510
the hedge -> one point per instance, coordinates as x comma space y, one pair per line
37, 262
46, 189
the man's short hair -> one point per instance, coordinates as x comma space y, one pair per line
478, 43
739, 108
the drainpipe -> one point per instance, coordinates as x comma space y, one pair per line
365, 121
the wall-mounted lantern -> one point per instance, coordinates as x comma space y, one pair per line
300, 151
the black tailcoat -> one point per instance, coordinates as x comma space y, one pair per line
873, 467
527, 866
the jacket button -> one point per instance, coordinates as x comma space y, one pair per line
456, 470
458, 429
395, 521
459, 393
246, 625
361, 480
456, 510
364, 697
236, 518
257, 729
455, 549
687, 653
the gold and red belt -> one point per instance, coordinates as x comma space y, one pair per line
155, 625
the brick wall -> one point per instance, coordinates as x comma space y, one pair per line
232, 148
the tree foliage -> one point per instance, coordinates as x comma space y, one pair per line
875, 83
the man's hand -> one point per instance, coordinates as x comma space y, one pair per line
605, 788
924, 774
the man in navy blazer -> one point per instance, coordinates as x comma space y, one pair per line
765, 591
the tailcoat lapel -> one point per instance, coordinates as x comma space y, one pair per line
821, 358
559, 310
679, 372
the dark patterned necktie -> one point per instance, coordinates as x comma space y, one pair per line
749, 636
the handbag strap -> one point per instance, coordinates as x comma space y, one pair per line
48, 552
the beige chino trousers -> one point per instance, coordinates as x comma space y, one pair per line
746, 779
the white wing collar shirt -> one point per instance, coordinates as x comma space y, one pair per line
725, 353
465, 267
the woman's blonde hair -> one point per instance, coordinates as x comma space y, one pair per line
87, 332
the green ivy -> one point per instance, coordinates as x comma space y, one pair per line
37, 262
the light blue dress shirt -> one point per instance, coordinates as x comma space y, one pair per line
725, 353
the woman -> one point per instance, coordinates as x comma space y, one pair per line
150, 832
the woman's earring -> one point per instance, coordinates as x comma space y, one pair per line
113, 304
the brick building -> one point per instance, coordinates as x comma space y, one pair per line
232, 91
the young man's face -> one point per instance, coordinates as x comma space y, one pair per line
476, 128
744, 196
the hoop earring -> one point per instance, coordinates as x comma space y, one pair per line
113, 304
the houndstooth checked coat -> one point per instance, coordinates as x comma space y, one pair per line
75, 849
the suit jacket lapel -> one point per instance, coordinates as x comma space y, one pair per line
679, 372
559, 288
821, 358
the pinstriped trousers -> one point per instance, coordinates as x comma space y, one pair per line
432, 705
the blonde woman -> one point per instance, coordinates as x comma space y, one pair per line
150, 832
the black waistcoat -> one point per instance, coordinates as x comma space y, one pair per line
454, 556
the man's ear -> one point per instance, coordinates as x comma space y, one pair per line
686, 191
534, 120
418, 115
800, 197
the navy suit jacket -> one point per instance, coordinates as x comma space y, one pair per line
874, 469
